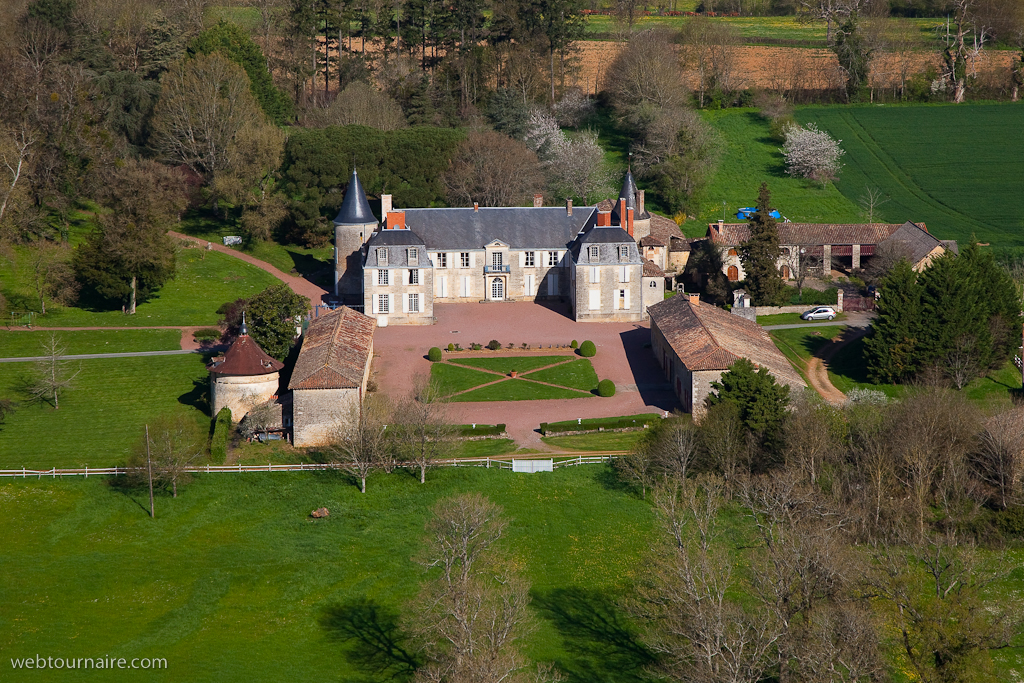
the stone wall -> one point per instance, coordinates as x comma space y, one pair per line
609, 286
318, 413
653, 292
241, 393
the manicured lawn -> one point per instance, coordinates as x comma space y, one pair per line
599, 441
577, 374
204, 281
16, 344
608, 422
802, 342
506, 364
790, 319
452, 379
906, 151
103, 416
518, 390
751, 156
233, 581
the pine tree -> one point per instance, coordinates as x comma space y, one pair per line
760, 254
891, 350
759, 400
953, 316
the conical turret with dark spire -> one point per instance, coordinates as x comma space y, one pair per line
628, 192
355, 210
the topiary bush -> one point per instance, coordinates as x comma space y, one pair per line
221, 432
451, 347
606, 388
494, 345
434, 354
574, 345
588, 349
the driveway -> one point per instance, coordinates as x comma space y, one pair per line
857, 319
400, 355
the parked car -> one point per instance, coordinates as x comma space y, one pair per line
819, 313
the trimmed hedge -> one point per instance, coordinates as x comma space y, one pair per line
606, 388
588, 349
207, 334
574, 345
221, 432
434, 355
811, 297
480, 430
594, 424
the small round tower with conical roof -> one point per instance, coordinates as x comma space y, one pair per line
353, 226
633, 201
245, 377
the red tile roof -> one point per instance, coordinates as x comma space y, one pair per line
705, 337
245, 358
651, 269
666, 230
335, 351
807, 234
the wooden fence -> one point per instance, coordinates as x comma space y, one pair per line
565, 460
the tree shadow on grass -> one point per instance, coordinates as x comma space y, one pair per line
373, 640
602, 644
307, 265
199, 396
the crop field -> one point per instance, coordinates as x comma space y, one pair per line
958, 168
102, 417
233, 581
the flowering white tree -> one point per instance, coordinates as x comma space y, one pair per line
812, 153
543, 134
575, 165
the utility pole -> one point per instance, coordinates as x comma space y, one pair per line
149, 466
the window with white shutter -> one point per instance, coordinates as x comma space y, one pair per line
382, 277
624, 274
595, 299
414, 276
442, 286
595, 274
383, 303
414, 303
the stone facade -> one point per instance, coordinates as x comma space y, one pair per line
317, 413
398, 279
607, 279
241, 394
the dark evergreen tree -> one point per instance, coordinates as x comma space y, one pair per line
952, 313
760, 401
853, 54
760, 254
271, 318
891, 348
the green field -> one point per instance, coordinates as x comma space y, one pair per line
456, 378
958, 168
506, 364
99, 420
518, 390
234, 582
577, 374
749, 157
22, 343
204, 280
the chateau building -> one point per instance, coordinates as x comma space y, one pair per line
587, 256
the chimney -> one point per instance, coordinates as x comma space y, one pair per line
476, 206
396, 220
538, 201
694, 299
568, 207
640, 202
604, 219
622, 213
385, 204
629, 221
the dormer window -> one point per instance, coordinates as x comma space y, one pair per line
382, 256
624, 252
595, 253
414, 255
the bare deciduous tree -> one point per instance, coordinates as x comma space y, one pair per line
424, 431
175, 443
999, 460
812, 436
54, 374
870, 201
53, 276
359, 441
493, 170
15, 154
707, 50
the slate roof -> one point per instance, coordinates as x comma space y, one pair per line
335, 351
918, 242
705, 337
609, 255
651, 269
355, 210
397, 241
245, 358
457, 229
808, 234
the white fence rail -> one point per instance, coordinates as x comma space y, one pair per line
565, 461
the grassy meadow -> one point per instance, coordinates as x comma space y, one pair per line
233, 577
22, 343
958, 168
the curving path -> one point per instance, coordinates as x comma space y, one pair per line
299, 285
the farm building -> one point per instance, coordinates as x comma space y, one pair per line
695, 344
846, 245
330, 375
244, 377
587, 256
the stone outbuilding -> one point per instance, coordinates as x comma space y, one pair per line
243, 378
695, 343
329, 380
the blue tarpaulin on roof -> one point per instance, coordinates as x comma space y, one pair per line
746, 213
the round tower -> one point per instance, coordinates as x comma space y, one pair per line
245, 377
353, 226
634, 200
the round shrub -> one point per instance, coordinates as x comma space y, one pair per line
494, 345
574, 345
451, 347
588, 349
434, 354
606, 388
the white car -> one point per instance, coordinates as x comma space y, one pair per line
819, 313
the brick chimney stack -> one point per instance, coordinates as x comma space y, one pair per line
538, 201
640, 202
568, 207
385, 205
694, 299
629, 221
476, 206
396, 220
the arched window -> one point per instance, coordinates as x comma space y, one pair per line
733, 273
497, 288
732, 252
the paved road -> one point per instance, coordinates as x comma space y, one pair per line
93, 356
852, 320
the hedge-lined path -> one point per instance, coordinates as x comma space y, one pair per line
640, 386
298, 285
188, 342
